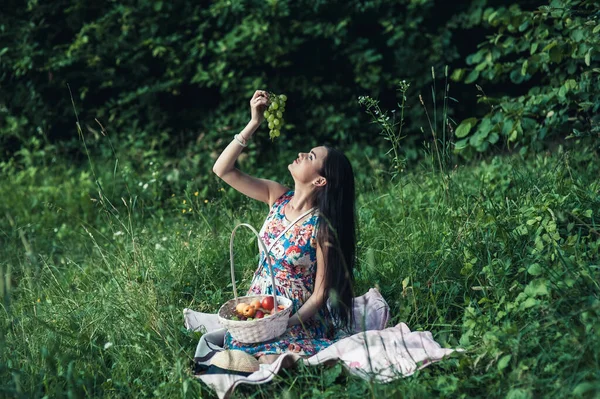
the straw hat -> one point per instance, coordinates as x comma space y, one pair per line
235, 360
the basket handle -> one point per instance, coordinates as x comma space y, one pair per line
264, 248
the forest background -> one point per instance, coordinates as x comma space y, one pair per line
480, 114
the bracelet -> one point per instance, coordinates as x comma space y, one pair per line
239, 141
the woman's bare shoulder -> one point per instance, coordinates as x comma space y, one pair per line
277, 192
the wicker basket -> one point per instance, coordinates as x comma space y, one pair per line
257, 330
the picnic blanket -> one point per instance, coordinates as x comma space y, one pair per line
377, 353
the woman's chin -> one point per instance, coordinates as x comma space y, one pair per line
291, 171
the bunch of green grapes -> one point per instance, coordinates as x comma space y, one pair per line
274, 114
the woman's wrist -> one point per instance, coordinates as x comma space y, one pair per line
244, 139
253, 125
247, 133
293, 320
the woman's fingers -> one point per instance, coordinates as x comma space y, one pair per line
259, 93
259, 101
258, 104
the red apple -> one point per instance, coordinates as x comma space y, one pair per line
267, 303
259, 314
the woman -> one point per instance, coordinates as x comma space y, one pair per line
314, 260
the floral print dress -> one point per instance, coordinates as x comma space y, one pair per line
294, 259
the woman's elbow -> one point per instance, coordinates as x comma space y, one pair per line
218, 171
320, 298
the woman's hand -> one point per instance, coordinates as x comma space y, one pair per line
258, 104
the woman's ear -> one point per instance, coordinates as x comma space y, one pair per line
320, 181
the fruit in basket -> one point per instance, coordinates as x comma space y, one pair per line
240, 307
267, 303
249, 311
256, 309
255, 303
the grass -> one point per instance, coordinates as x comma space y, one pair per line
499, 258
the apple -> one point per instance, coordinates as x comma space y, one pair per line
259, 314
267, 303
240, 307
255, 303
249, 311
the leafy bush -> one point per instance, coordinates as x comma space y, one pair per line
185, 71
553, 54
180, 74
190, 68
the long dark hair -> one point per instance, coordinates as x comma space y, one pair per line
337, 233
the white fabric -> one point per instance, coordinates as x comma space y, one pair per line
383, 354
380, 355
370, 311
202, 322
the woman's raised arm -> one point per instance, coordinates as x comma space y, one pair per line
263, 190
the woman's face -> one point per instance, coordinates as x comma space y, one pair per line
305, 169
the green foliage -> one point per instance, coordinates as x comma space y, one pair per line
501, 260
553, 54
391, 130
181, 73
187, 70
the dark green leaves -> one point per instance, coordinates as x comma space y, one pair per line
465, 127
554, 47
